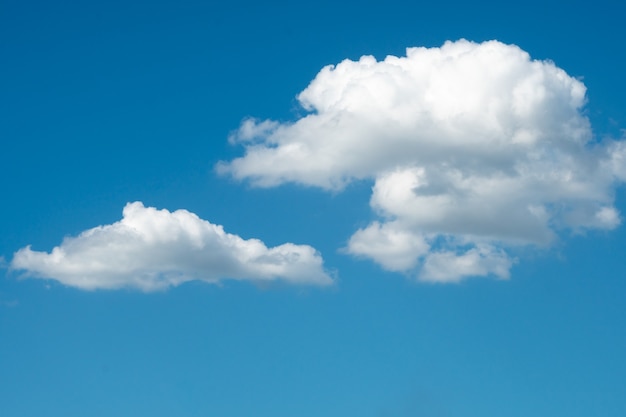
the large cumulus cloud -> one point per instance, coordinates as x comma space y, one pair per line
474, 149
152, 249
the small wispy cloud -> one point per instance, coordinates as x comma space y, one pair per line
474, 148
152, 249
9, 303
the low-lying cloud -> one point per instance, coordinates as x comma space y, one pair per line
474, 149
152, 249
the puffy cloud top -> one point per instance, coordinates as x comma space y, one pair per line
152, 249
474, 148
471, 106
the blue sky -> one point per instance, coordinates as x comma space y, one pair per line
377, 285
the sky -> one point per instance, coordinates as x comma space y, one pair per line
312, 209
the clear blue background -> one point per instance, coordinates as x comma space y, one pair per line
104, 103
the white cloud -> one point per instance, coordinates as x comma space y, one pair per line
474, 149
393, 248
152, 249
453, 267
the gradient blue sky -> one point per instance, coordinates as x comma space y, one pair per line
104, 104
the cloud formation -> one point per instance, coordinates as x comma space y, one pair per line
152, 249
474, 149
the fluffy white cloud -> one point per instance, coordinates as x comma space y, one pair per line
479, 261
396, 249
152, 249
474, 148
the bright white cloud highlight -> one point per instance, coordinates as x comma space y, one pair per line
474, 149
152, 249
